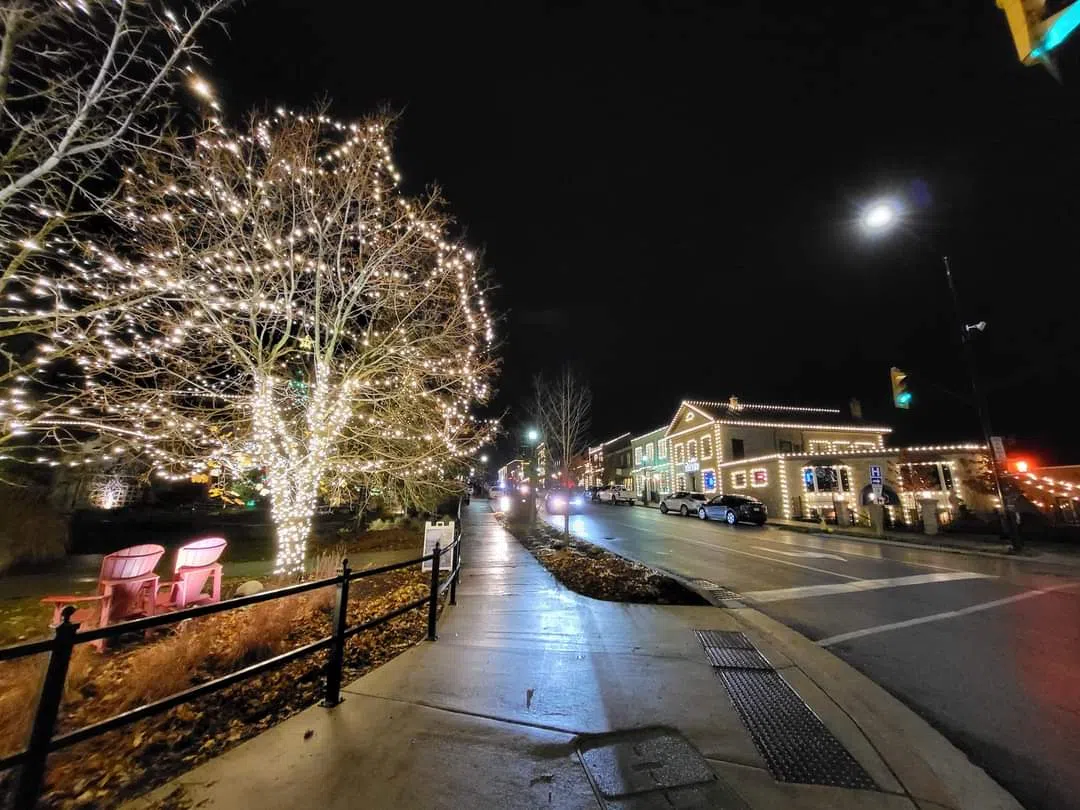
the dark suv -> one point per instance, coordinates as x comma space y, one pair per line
734, 509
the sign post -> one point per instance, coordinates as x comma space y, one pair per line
443, 534
876, 482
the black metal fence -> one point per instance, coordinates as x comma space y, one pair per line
42, 741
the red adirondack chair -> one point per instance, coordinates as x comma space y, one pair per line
196, 562
126, 588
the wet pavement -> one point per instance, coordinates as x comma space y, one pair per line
986, 649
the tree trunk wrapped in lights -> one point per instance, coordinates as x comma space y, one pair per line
84, 86
305, 318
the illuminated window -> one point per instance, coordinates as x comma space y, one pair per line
821, 446
637, 456
679, 454
706, 447
661, 448
650, 452
738, 479
759, 477
691, 449
708, 478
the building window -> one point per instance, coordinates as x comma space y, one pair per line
738, 449
680, 482
821, 446
679, 454
661, 448
785, 446
827, 479
946, 476
691, 449
708, 478
637, 456
759, 477
650, 452
706, 447
738, 479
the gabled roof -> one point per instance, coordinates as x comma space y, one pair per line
799, 417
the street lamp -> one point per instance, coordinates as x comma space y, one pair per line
885, 215
483, 459
532, 435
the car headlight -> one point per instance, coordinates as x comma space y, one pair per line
578, 501
504, 503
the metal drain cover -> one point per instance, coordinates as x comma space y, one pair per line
736, 659
730, 639
793, 741
653, 768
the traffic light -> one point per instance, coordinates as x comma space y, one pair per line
1034, 34
901, 397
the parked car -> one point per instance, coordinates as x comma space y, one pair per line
734, 509
616, 494
561, 501
682, 502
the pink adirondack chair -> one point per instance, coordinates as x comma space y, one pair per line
126, 588
196, 562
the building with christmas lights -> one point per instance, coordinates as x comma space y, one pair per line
609, 463
652, 468
807, 463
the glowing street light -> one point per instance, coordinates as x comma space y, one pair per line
532, 435
880, 216
483, 459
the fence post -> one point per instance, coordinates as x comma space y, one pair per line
455, 570
336, 661
52, 691
433, 605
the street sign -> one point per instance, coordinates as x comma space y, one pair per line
691, 466
999, 448
443, 534
875, 481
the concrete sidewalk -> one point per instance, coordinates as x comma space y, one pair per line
491, 714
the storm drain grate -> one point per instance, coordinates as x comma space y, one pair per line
718, 592
729, 639
795, 744
736, 659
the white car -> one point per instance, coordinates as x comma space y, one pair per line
616, 495
685, 503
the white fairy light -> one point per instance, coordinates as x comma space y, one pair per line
266, 335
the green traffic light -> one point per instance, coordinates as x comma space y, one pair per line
904, 398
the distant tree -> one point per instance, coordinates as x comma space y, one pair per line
561, 408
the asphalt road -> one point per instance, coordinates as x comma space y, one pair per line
986, 649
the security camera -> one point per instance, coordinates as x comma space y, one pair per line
980, 326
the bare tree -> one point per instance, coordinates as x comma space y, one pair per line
84, 86
561, 408
305, 318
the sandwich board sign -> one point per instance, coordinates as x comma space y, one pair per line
443, 534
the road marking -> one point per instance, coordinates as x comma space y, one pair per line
936, 617
818, 554
807, 591
773, 560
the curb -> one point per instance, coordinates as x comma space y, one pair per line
928, 766
926, 546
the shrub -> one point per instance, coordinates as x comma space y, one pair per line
31, 531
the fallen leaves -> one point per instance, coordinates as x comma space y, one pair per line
117, 766
595, 572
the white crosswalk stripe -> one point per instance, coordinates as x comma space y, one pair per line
808, 591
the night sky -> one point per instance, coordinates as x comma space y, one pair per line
667, 193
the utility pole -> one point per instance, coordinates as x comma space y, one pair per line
1008, 525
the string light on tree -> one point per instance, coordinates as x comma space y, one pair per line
297, 314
